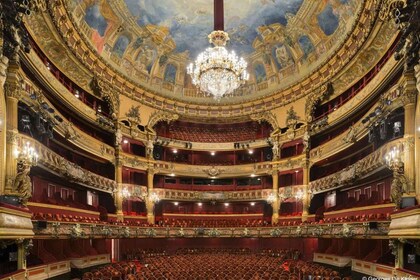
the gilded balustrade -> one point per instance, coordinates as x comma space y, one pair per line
86, 230
368, 164
64, 127
358, 130
183, 195
54, 86
57, 164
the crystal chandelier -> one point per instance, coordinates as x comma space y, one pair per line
216, 71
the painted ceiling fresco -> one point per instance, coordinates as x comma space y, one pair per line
277, 37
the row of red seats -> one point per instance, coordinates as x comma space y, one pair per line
213, 223
66, 218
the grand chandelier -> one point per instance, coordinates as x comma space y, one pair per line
216, 71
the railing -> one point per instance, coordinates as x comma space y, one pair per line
359, 85
81, 230
67, 169
68, 83
73, 134
170, 194
356, 131
362, 167
377, 271
47, 271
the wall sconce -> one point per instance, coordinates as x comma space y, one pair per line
77, 93
28, 153
393, 160
154, 197
125, 193
299, 195
397, 129
271, 198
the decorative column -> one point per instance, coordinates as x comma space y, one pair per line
397, 248
3, 68
275, 203
306, 199
12, 90
417, 132
21, 254
118, 193
409, 101
150, 201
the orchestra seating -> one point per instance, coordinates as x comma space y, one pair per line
205, 263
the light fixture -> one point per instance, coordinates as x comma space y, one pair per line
154, 197
176, 203
250, 152
216, 71
99, 109
125, 193
253, 175
172, 174
393, 160
252, 203
125, 141
271, 198
226, 204
299, 195
76, 93
200, 204
175, 151
28, 153
212, 153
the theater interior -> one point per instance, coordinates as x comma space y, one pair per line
131, 148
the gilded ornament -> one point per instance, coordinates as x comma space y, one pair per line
22, 182
161, 116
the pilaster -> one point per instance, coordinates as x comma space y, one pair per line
276, 203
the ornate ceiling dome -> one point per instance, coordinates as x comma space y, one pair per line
152, 42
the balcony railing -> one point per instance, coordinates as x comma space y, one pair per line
67, 169
361, 168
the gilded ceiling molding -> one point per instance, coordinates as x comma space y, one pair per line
159, 116
388, 7
344, 55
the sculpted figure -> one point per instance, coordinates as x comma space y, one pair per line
22, 183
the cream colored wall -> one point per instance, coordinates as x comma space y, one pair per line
281, 112
126, 103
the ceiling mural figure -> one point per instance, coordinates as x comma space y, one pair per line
140, 37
